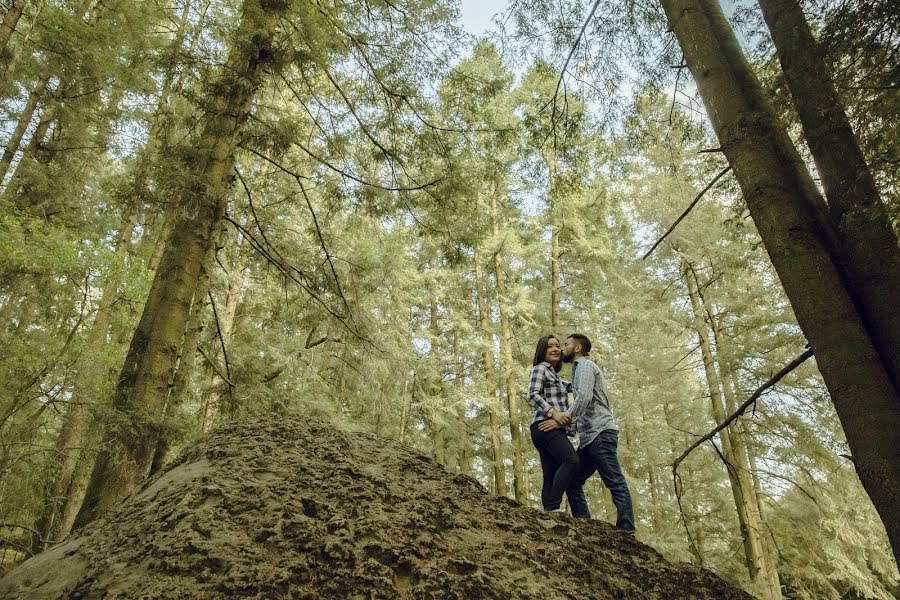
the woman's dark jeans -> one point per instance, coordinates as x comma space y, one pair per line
561, 467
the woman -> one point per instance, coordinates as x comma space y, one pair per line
548, 394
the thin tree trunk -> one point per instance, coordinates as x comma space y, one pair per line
435, 418
860, 215
10, 20
509, 379
793, 222
554, 247
761, 569
494, 409
73, 436
406, 400
746, 469
142, 389
15, 140
27, 162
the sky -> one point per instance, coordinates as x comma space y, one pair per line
477, 14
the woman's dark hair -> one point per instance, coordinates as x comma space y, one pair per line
541, 351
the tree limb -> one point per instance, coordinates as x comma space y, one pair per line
743, 407
215, 367
212, 302
685, 213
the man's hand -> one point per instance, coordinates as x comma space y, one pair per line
549, 425
561, 418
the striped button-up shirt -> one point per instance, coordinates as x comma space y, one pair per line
547, 390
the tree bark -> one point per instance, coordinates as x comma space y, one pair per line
554, 247
872, 257
494, 409
10, 20
761, 563
15, 140
178, 391
793, 222
143, 385
519, 487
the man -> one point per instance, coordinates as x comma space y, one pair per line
598, 434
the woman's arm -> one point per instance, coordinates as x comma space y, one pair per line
536, 389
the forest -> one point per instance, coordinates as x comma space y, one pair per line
362, 212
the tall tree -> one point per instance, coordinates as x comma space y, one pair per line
802, 243
868, 239
142, 388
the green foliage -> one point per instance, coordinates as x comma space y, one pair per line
345, 280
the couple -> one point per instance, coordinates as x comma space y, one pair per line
565, 469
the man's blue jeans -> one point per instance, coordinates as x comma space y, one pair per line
601, 456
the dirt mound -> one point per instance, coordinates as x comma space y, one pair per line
293, 508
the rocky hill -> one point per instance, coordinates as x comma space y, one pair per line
294, 508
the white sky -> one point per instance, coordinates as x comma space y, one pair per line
477, 14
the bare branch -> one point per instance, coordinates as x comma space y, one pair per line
212, 302
215, 367
743, 407
688, 210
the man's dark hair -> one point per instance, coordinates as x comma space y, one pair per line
582, 339
541, 350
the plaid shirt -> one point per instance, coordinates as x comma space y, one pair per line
547, 390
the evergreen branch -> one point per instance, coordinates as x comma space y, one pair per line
273, 375
688, 210
743, 407
562, 73
361, 181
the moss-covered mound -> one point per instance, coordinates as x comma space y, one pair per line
294, 508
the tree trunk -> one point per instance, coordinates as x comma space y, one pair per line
554, 247
493, 406
15, 140
178, 391
10, 20
509, 378
867, 238
142, 389
77, 422
761, 568
435, 415
792, 220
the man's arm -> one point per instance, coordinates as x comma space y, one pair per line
583, 385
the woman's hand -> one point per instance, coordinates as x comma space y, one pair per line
562, 419
549, 425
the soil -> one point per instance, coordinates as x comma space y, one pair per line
294, 508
